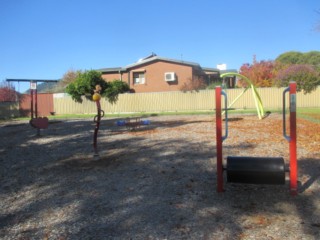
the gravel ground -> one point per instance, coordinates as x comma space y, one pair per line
158, 182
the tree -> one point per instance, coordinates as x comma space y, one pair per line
7, 92
291, 57
85, 84
115, 87
69, 77
312, 58
91, 85
306, 77
260, 73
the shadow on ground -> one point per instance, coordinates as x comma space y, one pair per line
145, 186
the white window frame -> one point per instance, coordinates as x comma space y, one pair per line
139, 78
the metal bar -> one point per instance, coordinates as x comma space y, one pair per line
31, 102
226, 112
284, 114
36, 102
219, 140
256, 102
236, 99
30, 80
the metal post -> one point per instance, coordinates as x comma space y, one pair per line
36, 102
293, 140
219, 140
31, 102
34, 96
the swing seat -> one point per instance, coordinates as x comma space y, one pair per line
39, 122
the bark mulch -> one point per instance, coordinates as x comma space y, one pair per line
158, 182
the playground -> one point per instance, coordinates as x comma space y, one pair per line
154, 182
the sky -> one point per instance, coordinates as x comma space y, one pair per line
43, 39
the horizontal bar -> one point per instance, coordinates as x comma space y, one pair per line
30, 80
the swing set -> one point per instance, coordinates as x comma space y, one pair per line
35, 121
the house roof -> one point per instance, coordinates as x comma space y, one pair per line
111, 70
206, 69
157, 58
153, 58
228, 71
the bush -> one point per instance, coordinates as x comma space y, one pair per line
306, 77
195, 84
260, 73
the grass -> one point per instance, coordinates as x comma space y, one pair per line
310, 114
126, 115
302, 112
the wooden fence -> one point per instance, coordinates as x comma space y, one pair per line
44, 104
204, 100
22, 108
180, 101
9, 110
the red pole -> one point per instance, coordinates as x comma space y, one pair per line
36, 102
31, 101
293, 140
219, 140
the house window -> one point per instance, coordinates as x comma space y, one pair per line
139, 78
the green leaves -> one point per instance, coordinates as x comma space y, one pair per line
115, 87
73, 91
293, 57
85, 84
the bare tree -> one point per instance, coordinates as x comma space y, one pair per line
69, 77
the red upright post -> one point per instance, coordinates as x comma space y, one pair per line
219, 140
293, 140
36, 102
31, 102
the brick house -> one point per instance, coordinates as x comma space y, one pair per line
158, 74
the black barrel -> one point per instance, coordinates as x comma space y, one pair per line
256, 170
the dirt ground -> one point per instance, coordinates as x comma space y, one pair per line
157, 182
